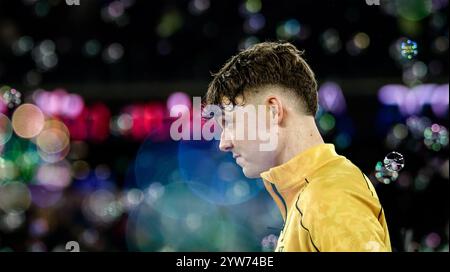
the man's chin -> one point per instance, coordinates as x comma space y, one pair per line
250, 174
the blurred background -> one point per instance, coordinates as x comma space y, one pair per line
85, 93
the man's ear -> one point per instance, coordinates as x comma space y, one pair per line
275, 107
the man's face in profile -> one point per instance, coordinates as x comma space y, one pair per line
248, 133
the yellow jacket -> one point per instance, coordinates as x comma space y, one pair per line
327, 204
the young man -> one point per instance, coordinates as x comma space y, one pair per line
326, 202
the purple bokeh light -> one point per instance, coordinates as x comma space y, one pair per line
331, 98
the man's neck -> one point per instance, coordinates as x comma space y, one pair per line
299, 138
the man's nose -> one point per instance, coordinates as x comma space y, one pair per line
225, 144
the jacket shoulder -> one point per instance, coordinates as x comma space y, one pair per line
340, 179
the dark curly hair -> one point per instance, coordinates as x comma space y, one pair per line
265, 64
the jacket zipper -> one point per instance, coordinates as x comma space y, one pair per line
274, 188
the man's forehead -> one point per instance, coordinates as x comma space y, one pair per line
225, 100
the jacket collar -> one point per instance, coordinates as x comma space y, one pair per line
285, 180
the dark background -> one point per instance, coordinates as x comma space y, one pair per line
171, 46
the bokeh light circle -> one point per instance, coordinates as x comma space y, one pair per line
408, 49
156, 162
184, 227
11, 97
14, 197
413, 10
28, 121
201, 166
44, 196
178, 98
436, 137
102, 207
54, 175
53, 157
177, 201
383, 175
8, 170
53, 138
5, 129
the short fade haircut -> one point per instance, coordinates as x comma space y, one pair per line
264, 64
